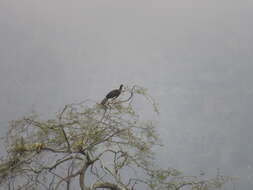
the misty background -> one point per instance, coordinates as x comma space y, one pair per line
194, 56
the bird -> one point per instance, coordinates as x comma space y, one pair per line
112, 94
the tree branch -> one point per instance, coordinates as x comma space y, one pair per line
108, 185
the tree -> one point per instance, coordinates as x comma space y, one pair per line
91, 147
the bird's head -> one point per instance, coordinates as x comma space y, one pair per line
121, 86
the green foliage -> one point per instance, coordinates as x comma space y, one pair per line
109, 143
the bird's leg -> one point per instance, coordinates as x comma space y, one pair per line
113, 100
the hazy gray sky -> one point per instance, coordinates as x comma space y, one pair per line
194, 56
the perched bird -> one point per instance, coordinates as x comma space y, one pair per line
112, 95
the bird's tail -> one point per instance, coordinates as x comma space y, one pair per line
104, 101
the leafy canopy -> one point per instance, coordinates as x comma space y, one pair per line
91, 146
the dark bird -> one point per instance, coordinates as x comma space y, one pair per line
112, 95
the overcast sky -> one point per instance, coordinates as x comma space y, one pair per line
194, 56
